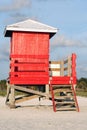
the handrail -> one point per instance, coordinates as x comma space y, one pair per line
66, 67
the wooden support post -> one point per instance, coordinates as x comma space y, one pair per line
69, 65
74, 68
62, 68
8, 92
47, 90
12, 98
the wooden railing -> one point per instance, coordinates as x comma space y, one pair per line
65, 67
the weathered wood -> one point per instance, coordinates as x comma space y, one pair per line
54, 62
62, 68
47, 88
12, 98
69, 66
62, 90
66, 102
66, 109
54, 69
8, 92
29, 90
62, 85
25, 98
63, 97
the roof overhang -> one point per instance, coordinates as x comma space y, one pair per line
29, 26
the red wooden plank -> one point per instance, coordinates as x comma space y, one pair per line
29, 47
24, 74
73, 65
30, 43
74, 68
61, 80
55, 82
22, 80
29, 56
53, 100
32, 67
30, 73
29, 78
28, 60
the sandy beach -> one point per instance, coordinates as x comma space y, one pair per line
35, 115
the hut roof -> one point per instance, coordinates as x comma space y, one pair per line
29, 26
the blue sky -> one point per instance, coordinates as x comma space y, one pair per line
69, 16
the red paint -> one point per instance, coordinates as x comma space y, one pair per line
29, 58
77, 106
53, 99
61, 80
74, 68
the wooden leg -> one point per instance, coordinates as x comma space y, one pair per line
12, 98
47, 90
8, 92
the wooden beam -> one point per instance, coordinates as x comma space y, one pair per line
69, 66
27, 90
54, 69
62, 68
8, 92
12, 98
25, 98
54, 62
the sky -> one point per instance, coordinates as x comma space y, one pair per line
68, 16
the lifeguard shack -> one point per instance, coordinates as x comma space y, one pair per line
30, 66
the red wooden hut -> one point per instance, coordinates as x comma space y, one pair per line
29, 52
29, 64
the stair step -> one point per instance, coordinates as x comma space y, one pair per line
62, 85
66, 109
63, 97
65, 102
62, 90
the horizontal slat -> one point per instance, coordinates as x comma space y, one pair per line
29, 76
60, 82
29, 90
29, 64
62, 86
54, 62
36, 74
69, 102
62, 90
29, 56
31, 67
66, 109
54, 69
61, 78
63, 97
25, 98
28, 82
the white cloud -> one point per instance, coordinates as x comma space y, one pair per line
17, 16
15, 5
64, 41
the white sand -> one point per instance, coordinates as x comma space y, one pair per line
35, 115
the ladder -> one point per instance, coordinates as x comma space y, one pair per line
64, 97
